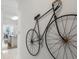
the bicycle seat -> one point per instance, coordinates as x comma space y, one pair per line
36, 17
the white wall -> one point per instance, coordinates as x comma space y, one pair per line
30, 8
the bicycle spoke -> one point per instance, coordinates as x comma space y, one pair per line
54, 34
50, 36
55, 44
34, 37
59, 50
29, 44
34, 49
31, 48
34, 44
35, 40
74, 46
54, 39
72, 29
72, 52
64, 51
63, 25
74, 41
29, 38
72, 26
72, 36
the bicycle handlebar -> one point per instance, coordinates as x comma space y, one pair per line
59, 2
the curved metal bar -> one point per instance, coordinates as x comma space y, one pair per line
55, 17
44, 14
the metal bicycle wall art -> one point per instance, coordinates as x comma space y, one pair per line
60, 35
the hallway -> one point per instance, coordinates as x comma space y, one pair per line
9, 53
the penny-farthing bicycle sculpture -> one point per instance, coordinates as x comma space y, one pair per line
60, 35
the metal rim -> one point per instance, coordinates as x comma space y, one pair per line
38, 48
56, 29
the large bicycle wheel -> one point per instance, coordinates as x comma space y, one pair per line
32, 42
62, 48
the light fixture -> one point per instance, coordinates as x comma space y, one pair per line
14, 18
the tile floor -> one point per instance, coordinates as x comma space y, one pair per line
9, 53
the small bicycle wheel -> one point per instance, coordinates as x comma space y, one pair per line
57, 47
32, 42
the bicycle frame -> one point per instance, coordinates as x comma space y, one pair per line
37, 22
60, 34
